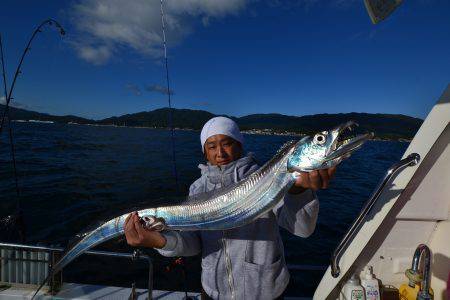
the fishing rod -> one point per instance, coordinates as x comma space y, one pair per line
168, 96
18, 218
49, 22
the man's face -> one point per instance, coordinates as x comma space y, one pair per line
221, 149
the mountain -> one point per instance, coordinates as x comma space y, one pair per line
182, 118
388, 126
385, 126
23, 114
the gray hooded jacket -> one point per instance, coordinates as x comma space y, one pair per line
246, 262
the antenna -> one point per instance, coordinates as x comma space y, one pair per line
379, 10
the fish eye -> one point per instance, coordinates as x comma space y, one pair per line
319, 139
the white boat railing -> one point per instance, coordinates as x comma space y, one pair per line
34, 264
412, 160
28, 264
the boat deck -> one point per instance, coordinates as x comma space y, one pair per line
88, 291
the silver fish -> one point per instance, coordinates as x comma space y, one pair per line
240, 203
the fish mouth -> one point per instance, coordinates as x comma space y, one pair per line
345, 143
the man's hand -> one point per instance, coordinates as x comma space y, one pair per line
138, 236
312, 180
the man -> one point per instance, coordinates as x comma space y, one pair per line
246, 262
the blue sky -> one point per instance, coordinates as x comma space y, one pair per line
233, 57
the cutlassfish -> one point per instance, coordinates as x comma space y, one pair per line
240, 203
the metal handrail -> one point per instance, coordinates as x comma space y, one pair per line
59, 249
411, 160
130, 255
134, 256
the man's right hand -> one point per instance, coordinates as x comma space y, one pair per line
138, 236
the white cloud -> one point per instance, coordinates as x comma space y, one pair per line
96, 55
106, 26
13, 103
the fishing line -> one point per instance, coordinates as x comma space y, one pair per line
13, 158
51, 48
171, 118
7, 114
8, 96
175, 173
3, 68
6, 110
19, 215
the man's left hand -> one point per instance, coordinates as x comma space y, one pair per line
314, 180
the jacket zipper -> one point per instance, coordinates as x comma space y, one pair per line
228, 266
227, 258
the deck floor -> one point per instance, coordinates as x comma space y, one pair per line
88, 292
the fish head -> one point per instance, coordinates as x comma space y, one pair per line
326, 149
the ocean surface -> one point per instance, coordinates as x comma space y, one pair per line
72, 176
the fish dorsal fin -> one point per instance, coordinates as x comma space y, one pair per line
202, 197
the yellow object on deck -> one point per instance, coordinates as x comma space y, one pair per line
406, 292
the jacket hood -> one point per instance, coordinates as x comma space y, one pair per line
234, 170
208, 169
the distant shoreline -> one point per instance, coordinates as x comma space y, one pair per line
386, 126
264, 132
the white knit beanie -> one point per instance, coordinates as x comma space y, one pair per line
220, 125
